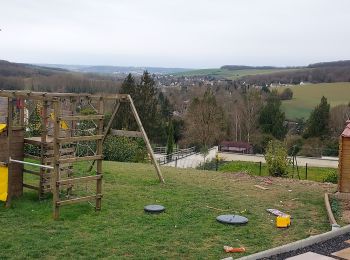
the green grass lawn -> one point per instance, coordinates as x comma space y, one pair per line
228, 74
313, 173
187, 230
306, 97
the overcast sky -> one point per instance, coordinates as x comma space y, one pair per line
175, 33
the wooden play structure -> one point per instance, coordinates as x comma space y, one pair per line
67, 136
344, 160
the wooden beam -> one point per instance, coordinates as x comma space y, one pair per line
31, 172
52, 96
34, 157
37, 141
56, 173
108, 127
30, 187
99, 151
63, 151
145, 138
77, 200
79, 159
63, 140
9, 136
44, 133
81, 117
79, 179
115, 132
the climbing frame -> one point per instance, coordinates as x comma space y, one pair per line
68, 136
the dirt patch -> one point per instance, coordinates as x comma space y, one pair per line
345, 210
286, 182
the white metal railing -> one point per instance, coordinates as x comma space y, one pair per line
176, 155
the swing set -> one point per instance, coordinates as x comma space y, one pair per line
61, 145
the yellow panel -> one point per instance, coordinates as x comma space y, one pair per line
4, 173
2, 127
63, 124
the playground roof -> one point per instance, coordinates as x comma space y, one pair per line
346, 132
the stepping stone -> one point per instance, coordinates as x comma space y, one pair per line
310, 256
154, 208
232, 219
345, 253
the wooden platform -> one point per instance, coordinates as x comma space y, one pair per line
36, 140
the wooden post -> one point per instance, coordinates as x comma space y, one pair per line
56, 151
260, 168
44, 118
73, 108
9, 137
306, 171
145, 138
21, 113
99, 151
108, 127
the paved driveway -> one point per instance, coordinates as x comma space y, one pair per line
315, 162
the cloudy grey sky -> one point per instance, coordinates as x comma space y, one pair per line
175, 33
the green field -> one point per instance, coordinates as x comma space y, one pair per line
229, 74
187, 230
306, 97
313, 173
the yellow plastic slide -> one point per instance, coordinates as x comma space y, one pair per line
4, 174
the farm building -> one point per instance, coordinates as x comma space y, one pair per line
235, 147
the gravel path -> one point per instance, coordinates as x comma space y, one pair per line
325, 248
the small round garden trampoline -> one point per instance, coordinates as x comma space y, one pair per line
154, 208
232, 219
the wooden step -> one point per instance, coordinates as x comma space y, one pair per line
36, 140
79, 139
125, 133
79, 179
30, 186
79, 159
77, 200
81, 117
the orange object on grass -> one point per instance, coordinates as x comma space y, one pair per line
229, 249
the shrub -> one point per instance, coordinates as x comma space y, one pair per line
286, 94
277, 159
260, 141
293, 144
312, 147
124, 149
331, 147
331, 177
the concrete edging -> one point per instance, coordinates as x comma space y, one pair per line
331, 217
298, 244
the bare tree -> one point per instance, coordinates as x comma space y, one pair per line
204, 121
252, 104
337, 119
